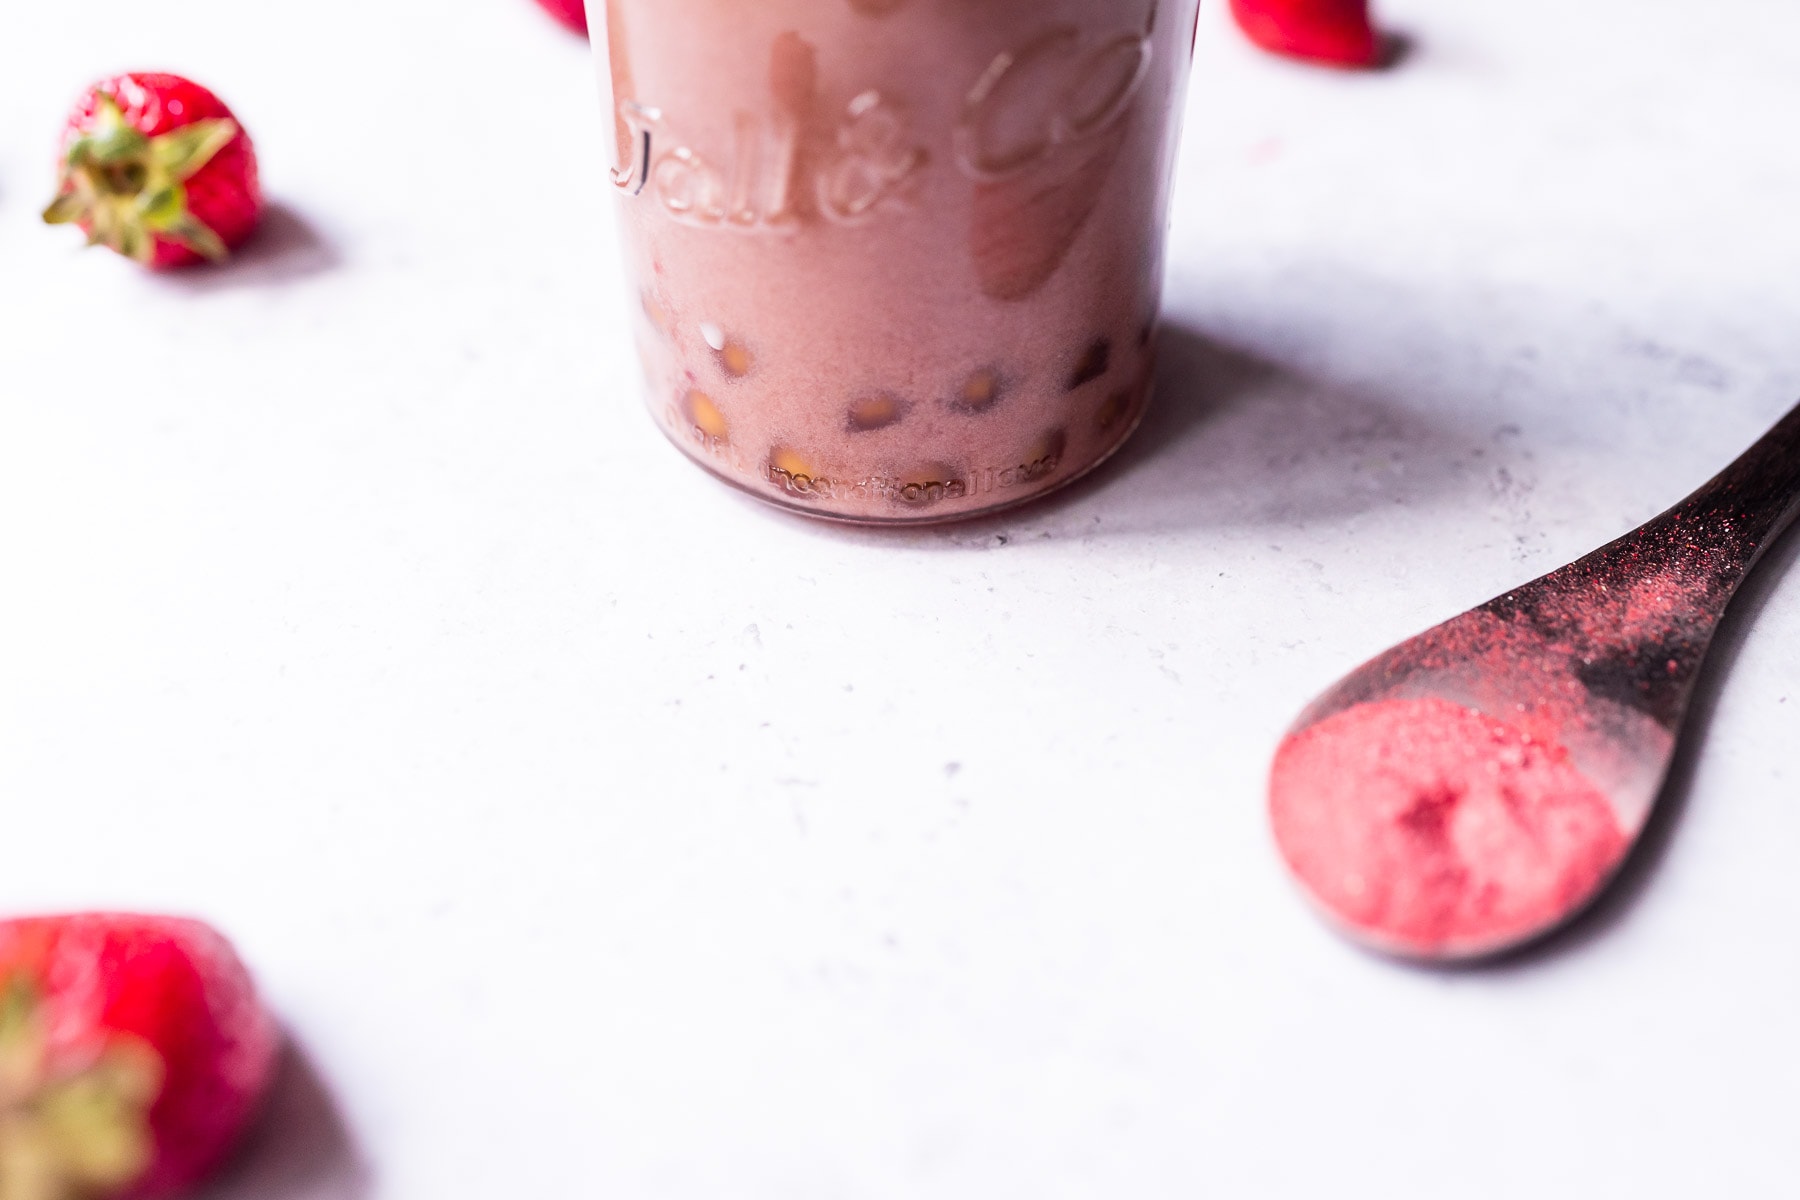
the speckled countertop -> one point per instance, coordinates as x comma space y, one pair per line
598, 832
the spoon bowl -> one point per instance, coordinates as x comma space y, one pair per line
1474, 788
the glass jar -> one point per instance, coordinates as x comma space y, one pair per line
896, 261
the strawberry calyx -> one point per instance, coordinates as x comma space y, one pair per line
126, 189
74, 1124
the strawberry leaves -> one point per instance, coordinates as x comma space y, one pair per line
127, 189
182, 152
73, 1123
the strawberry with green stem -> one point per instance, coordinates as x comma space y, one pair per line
157, 168
133, 1054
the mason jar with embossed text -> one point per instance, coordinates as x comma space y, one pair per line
895, 261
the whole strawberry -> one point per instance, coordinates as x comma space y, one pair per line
156, 167
572, 13
1335, 32
133, 1052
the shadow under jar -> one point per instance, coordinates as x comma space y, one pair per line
896, 261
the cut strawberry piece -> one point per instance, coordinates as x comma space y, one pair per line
155, 167
1336, 32
572, 13
133, 1053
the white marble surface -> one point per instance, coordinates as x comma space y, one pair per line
597, 832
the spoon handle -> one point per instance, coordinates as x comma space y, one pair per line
1735, 517
1655, 595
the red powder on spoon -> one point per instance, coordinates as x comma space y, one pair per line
1428, 827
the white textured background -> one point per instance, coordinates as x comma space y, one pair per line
599, 833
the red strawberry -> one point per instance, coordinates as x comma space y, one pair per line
572, 13
1327, 31
133, 1052
155, 167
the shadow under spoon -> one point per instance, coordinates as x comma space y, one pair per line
1474, 788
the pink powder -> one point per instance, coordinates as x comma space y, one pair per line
1636, 611
1427, 827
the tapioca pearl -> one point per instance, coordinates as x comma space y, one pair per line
1095, 362
786, 460
878, 411
1046, 454
1116, 408
703, 413
929, 484
979, 393
735, 358
795, 474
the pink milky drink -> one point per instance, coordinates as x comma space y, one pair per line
896, 260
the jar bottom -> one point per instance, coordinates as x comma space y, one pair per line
925, 511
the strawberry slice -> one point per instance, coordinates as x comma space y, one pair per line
1334, 32
133, 1053
572, 13
156, 167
